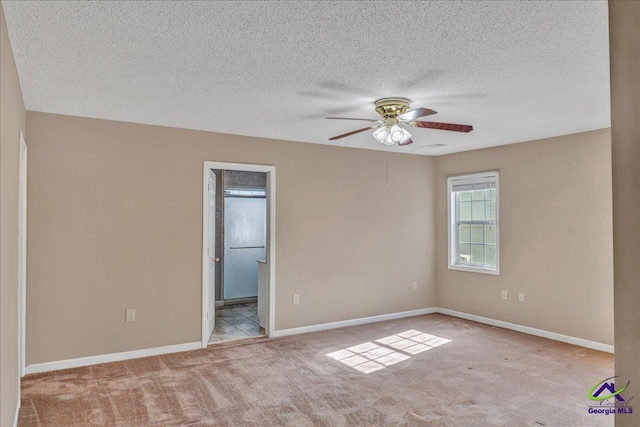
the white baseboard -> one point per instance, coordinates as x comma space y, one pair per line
113, 357
527, 330
126, 355
351, 322
488, 321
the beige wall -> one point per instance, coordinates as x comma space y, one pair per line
12, 120
115, 223
624, 47
115, 217
555, 236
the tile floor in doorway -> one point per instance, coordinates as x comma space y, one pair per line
236, 321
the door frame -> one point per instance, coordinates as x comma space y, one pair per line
271, 239
211, 252
22, 257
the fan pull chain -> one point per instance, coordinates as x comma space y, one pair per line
386, 172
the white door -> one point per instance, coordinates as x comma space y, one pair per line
211, 252
22, 254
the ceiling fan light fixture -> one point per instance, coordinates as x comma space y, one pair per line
383, 136
391, 135
398, 135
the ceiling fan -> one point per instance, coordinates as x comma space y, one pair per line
395, 111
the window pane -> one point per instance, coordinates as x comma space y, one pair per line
464, 252
491, 210
479, 195
477, 234
490, 252
464, 196
490, 234
464, 211
464, 234
491, 194
477, 254
478, 213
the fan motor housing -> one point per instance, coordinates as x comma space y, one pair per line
392, 107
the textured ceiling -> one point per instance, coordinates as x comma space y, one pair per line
516, 71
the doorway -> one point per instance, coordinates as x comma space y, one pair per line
238, 251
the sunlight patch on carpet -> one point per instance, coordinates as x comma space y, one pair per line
373, 356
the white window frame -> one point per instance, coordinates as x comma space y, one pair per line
452, 229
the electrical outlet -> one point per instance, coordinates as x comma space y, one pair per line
520, 297
415, 286
504, 294
131, 315
296, 299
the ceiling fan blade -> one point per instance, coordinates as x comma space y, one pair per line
351, 118
407, 142
417, 113
353, 132
444, 126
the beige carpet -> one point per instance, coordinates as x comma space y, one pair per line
431, 370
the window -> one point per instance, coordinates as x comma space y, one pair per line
474, 238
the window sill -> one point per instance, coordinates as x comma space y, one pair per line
472, 269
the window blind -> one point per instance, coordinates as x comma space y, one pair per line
473, 183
